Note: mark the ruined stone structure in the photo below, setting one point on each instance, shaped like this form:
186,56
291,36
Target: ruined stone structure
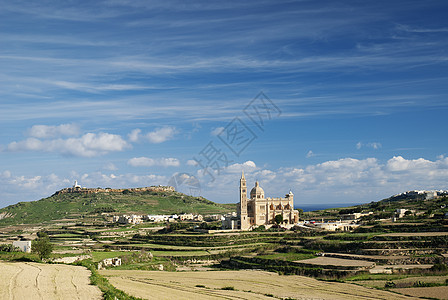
78,189
258,210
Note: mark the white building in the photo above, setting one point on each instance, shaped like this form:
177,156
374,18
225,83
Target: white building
336,226
126,219
24,246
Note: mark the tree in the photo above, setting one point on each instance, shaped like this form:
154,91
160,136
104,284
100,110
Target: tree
278,219
42,247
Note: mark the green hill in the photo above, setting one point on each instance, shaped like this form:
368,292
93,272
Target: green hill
85,206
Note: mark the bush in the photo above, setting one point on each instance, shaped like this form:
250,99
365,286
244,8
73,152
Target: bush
8,248
260,228
42,247
440,268
389,284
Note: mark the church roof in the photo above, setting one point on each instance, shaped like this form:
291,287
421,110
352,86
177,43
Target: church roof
257,189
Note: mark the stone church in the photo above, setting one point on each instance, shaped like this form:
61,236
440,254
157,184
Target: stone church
258,210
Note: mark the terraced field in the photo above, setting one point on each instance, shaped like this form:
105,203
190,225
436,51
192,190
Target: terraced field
24,280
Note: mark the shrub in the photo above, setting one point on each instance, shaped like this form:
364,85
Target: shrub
42,247
389,284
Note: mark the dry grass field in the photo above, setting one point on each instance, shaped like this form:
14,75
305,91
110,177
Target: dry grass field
24,280
438,292
331,261
404,281
415,234
247,284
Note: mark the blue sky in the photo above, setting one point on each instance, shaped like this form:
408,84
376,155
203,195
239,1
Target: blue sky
130,93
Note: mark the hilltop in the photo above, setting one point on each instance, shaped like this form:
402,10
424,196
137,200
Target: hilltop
89,204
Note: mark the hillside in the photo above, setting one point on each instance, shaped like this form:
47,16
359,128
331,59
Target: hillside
90,206
419,207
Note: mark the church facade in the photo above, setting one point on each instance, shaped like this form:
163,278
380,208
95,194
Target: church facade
258,210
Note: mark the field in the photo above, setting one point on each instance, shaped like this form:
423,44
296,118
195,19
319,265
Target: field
439,292
330,261
402,282
242,284
20,280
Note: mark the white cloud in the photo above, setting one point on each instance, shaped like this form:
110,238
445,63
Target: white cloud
217,131
344,180
134,136
161,135
110,166
45,131
247,166
88,145
398,163
6,174
310,154
192,162
149,162
373,145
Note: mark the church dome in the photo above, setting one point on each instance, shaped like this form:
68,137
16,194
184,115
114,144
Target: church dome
257,191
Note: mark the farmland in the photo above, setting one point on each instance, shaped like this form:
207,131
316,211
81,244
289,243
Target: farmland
379,259
20,280
235,284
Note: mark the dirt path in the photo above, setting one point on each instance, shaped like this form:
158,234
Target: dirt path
41,281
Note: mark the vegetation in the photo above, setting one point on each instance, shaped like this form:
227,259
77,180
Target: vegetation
419,238
89,207
42,247
109,291
278,219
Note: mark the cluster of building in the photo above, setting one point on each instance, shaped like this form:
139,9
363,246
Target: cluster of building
109,262
76,188
137,219
333,225
428,195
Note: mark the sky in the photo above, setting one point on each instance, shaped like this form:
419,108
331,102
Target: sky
338,101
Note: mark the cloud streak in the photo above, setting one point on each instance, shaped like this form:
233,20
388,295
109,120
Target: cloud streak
150,162
88,145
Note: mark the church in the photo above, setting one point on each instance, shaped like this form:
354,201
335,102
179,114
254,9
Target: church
258,210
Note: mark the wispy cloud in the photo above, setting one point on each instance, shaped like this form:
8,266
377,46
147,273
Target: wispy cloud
407,28
46,131
150,162
373,145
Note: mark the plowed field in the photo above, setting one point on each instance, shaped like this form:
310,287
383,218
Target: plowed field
242,284
24,280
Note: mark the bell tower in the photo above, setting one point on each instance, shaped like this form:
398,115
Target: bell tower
244,221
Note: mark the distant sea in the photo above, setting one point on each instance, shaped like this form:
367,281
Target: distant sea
319,206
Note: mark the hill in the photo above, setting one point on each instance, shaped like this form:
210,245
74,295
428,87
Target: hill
91,205
415,202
